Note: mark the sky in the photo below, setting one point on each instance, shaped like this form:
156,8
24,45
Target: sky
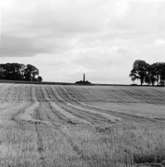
66,38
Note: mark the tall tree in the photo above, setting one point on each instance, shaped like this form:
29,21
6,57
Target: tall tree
155,73
139,71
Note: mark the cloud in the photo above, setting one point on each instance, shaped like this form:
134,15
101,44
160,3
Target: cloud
64,38
16,46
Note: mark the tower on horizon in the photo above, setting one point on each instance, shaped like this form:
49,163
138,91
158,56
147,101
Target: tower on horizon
84,77
83,81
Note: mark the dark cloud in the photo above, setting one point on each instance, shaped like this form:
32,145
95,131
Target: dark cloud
11,46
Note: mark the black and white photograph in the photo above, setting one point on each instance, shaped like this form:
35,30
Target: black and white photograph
82,83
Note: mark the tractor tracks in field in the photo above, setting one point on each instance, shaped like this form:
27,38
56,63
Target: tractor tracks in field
74,108
57,122
68,138
39,127
54,110
23,120
62,124
64,112
40,144
72,101
30,114
96,117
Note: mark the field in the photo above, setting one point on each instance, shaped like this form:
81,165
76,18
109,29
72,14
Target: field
81,126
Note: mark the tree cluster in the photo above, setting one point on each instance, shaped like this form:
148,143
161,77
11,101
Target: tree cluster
20,72
83,83
150,74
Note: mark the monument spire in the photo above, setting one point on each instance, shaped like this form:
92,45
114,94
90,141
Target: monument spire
84,77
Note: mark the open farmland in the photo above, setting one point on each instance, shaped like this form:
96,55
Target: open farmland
88,126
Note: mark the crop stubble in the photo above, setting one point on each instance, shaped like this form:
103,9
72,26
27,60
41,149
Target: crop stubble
46,125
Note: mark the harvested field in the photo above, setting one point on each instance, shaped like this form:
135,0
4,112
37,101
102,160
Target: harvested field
81,126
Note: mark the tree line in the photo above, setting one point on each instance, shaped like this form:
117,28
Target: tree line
150,74
21,72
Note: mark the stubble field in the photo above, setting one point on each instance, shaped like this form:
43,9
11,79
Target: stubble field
88,126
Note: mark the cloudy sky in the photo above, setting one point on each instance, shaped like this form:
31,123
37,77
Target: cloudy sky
65,38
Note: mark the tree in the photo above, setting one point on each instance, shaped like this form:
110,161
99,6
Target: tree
161,67
139,71
158,72
11,71
151,75
31,73
16,71
155,73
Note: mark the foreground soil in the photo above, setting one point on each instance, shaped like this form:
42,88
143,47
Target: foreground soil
88,126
